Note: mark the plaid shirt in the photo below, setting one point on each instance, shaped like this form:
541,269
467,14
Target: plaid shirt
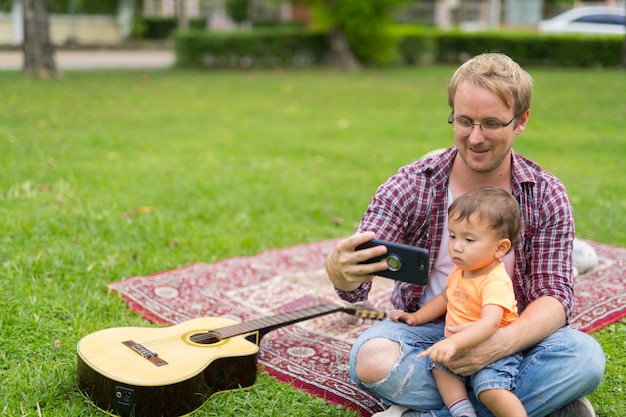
411,208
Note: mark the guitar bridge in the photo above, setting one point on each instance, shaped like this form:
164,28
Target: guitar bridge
149,354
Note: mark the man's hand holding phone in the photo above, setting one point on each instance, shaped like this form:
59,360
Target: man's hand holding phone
404,262
344,264
358,257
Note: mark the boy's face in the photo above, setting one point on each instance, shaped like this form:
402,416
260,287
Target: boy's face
473,246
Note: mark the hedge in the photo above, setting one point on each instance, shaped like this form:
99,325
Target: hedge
535,49
415,46
157,28
250,48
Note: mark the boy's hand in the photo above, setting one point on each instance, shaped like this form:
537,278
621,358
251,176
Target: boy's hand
440,352
404,317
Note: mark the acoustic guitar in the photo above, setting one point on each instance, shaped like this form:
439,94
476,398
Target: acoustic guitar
173,371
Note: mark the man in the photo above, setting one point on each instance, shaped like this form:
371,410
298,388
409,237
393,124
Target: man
490,100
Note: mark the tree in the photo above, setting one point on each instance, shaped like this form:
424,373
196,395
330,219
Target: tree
181,14
358,29
38,50
238,10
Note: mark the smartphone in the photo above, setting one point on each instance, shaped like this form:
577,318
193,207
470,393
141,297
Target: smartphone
405,263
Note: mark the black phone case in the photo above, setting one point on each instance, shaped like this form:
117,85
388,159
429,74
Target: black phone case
406,263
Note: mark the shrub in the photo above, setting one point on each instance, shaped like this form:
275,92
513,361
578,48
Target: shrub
272,47
254,48
164,27
416,45
533,48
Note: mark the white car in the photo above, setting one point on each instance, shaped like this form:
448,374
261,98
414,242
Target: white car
596,19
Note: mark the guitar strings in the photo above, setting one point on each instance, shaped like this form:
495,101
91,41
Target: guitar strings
244,328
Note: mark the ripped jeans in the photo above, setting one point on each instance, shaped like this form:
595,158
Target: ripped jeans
560,369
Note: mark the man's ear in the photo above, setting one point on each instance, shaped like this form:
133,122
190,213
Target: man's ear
504,245
521,122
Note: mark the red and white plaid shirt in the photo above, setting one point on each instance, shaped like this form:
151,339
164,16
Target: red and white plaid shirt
411,208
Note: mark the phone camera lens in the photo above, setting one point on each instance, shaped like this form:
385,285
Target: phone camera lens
394,263
423,262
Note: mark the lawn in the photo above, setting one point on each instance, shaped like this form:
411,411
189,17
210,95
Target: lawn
108,175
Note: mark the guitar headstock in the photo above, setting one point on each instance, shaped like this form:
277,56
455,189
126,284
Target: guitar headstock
365,312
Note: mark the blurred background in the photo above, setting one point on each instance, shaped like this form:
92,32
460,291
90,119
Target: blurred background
115,22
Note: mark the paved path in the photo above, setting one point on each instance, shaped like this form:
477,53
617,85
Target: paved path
97,59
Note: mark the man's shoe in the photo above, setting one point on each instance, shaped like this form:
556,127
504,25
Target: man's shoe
579,408
393,411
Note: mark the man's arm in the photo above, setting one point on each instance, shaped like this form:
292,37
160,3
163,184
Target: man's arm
539,319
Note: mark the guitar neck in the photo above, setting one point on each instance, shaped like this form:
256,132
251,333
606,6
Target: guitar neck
266,324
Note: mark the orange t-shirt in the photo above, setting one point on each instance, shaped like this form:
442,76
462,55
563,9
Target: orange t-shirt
466,297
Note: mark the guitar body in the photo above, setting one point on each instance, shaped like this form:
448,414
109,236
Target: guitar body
163,371
172,371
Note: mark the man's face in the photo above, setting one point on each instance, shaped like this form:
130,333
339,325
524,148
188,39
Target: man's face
484,150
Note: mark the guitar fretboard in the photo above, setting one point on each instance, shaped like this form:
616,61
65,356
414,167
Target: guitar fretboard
266,324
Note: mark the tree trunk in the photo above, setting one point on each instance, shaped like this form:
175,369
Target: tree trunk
181,14
38,50
341,55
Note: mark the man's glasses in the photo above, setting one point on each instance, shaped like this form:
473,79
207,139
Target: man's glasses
464,126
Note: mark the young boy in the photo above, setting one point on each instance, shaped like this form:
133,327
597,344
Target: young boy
483,224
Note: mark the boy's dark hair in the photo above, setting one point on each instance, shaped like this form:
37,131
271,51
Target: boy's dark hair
493,206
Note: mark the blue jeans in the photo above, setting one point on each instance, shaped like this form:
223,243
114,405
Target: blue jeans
562,368
499,375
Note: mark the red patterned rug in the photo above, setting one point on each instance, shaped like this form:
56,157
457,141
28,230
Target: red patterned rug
313,354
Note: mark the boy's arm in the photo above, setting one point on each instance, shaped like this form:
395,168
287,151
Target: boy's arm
474,334
481,330
432,310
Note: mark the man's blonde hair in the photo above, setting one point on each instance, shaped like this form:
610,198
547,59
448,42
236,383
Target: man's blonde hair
499,74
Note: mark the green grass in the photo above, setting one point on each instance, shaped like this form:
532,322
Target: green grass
108,175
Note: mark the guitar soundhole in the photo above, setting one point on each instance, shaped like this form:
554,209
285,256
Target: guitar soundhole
208,338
